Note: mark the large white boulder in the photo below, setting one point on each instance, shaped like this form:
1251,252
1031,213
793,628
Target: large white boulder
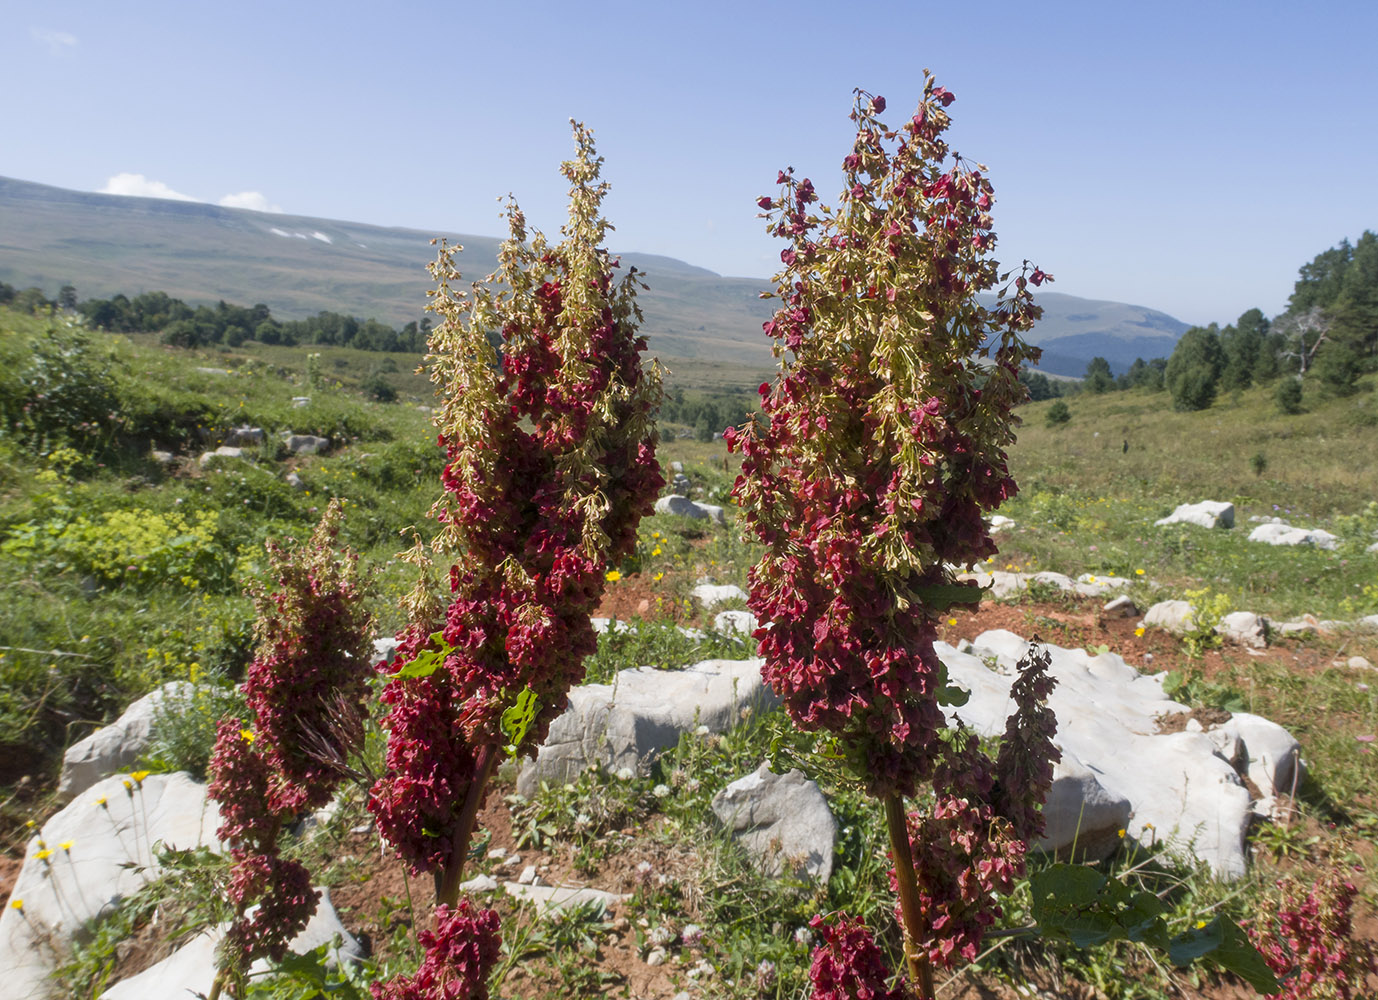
1179,787
117,747
1285,534
1080,817
782,820
642,713
1207,514
190,970
109,832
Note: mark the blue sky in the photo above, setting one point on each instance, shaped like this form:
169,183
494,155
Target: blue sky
1184,156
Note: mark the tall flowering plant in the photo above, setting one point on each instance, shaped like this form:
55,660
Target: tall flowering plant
305,693
551,448
882,446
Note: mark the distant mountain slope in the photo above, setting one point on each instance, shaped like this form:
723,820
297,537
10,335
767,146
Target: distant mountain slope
298,266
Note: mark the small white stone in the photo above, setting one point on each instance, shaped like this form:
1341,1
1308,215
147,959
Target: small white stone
528,875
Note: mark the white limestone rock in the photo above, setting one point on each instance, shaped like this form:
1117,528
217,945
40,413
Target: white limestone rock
1244,628
550,898
1120,607
710,595
224,451
111,831
1272,755
307,444
1206,514
117,746
1174,616
190,970
1285,534
244,436
1080,817
684,507
742,622
642,713
782,820
1177,785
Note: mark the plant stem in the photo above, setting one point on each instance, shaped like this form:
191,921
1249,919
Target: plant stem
447,891
920,971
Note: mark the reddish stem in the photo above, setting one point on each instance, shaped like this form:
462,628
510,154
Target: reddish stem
447,891
920,970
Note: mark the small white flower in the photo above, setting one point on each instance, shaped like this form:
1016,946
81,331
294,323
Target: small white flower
625,774
660,791
701,731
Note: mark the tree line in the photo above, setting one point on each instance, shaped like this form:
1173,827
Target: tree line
183,325
1327,336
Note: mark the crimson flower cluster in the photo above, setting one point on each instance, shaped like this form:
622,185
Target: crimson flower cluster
884,435
848,964
551,464
1306,936
305,689
460,956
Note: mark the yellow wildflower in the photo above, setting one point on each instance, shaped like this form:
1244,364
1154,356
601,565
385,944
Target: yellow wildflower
247,735
16,904
1200,924
44,854
656,551
1138,572
1139,631
612,576
952,621
139,776
66,845
101,802
1122,833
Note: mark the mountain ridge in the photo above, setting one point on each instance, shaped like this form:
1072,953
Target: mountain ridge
300,265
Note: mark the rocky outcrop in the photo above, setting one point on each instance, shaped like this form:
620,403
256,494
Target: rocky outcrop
116,747
86,858
642,713
782,820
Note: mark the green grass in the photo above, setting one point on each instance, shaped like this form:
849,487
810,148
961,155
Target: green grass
1087,505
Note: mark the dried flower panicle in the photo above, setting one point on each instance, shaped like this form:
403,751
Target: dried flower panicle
460,955
884,435
551,450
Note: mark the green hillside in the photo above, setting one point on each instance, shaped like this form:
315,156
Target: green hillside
298,266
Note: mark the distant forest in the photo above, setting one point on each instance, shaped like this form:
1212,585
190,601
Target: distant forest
183,325
1328,337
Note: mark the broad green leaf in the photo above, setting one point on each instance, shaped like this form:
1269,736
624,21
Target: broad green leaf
429,660
941,596
1225,943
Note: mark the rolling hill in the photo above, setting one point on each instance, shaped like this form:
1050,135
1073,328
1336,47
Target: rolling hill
298,265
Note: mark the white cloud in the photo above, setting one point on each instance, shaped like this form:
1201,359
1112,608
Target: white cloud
279,232
57,41
253,200
140,186
322,237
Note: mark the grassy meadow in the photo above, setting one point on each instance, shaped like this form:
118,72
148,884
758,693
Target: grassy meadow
119,572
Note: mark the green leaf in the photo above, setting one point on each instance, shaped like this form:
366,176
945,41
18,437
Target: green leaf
1230,948
517,719
941,596
429,660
